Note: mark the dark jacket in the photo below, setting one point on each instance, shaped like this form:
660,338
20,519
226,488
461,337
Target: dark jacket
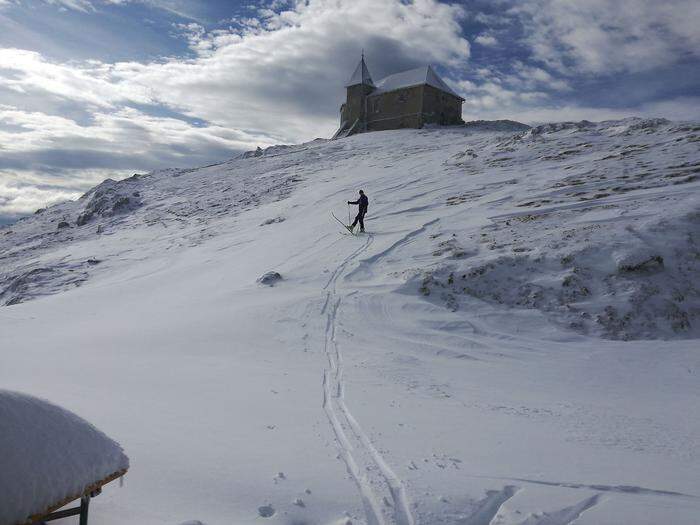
363,201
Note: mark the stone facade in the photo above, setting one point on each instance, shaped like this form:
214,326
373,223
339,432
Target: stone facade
406,100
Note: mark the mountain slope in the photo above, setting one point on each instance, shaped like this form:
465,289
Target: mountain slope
514,340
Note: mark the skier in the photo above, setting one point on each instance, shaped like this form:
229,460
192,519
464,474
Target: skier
362,202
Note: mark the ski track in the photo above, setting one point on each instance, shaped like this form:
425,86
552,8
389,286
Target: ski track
357,449
408,237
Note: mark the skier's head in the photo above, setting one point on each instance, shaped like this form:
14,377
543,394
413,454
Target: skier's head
362,192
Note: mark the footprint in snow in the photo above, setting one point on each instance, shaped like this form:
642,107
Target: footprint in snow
266,511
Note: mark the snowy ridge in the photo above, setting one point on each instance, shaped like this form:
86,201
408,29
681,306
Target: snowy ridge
514,341
175,206
572,234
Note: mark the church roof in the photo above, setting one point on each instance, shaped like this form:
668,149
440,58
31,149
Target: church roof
413,77
361,75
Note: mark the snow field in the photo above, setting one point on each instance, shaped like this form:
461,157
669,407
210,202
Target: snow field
383,386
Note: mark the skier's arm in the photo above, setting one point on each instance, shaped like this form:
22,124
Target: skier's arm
354,202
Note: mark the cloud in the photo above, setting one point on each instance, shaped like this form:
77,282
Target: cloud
532,77
486,40
79,5
537,108
90,83
18,199
608,36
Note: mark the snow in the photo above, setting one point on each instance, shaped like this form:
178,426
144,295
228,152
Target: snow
413,77
555,383
48,455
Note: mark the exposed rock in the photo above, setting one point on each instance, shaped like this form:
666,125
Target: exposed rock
651,264
266,511
270,278
272,221
108,199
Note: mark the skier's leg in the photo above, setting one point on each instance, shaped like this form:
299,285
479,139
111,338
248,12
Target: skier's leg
357,218
361,218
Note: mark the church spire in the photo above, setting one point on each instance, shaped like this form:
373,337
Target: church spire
361,74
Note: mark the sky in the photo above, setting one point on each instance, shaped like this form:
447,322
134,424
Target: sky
91,89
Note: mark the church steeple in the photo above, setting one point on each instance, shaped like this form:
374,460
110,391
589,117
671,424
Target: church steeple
361,74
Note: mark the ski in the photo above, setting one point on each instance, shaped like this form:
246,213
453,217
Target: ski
344,225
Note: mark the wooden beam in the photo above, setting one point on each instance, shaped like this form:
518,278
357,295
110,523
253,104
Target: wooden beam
90,489
59,514
84,506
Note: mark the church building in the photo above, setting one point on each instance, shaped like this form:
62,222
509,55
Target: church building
409,99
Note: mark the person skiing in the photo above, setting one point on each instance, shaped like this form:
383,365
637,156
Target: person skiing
362,202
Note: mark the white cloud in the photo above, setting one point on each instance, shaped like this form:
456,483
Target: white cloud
518,107
486,40
607,36
21,199
531,77
78,5
88,83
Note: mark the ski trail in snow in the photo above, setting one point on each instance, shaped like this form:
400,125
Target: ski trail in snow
408,237
331,375
337,410
334,276
369,501
398,492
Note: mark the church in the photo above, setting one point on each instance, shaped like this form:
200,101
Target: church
409,99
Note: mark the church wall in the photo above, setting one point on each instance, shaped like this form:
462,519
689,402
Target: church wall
440,107
354,105
395,109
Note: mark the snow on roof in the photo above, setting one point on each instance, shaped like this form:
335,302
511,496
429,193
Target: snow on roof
361,75
49,456
413,77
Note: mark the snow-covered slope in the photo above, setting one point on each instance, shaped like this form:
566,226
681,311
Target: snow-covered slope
513,342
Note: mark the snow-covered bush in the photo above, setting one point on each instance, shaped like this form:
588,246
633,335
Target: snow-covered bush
49,456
